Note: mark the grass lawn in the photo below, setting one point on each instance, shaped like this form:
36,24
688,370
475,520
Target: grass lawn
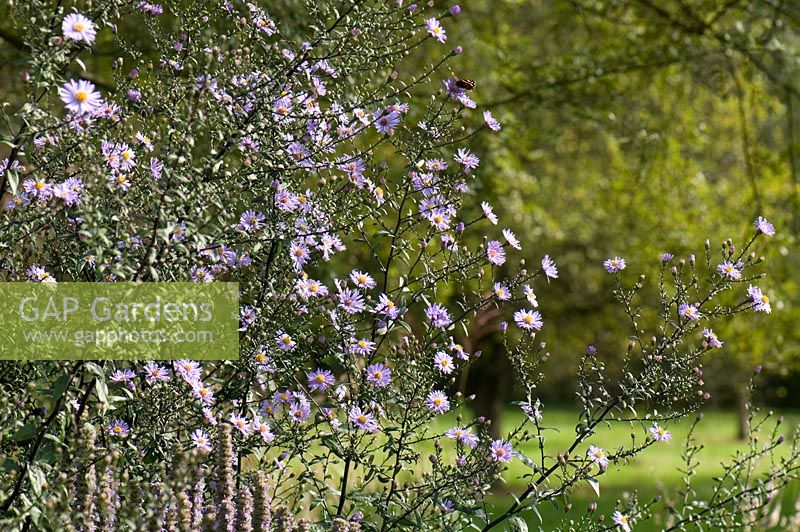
654,472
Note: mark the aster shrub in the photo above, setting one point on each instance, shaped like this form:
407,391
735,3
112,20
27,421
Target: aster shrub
302,152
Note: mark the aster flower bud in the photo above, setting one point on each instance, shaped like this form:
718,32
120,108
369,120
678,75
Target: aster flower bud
457,50
592,507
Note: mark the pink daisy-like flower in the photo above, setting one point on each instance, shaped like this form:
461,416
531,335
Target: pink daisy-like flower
511,239
764,227
711,339
501,292
240,424
729,270
617,264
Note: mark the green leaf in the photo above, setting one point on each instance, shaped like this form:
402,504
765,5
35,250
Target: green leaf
517,524
27,432
37,478
595,484
102,390
60,387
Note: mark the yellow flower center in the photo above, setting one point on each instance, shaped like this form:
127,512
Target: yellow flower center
81,96
764,299
362,419
320,378
79,27
39,185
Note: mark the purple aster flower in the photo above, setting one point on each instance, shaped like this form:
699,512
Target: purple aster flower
467,160
351,301
666,257
463,436
759,299
362,280
201,440
532,412
549,267
500,451
435,29
617,264
156,167
378,375
711,338
488,212
730,270
387,307
495,253
250,221
150,9
263,430
511,239
689,312
493,124
447,505
119,429
598,456
530,320
38,189
320,379
299,411
386,123
37,274
203,392
659,433
80,96
201,274
763,226
530,296
247,315
437,402
240,424
362,420
154,373
300,255
123,375
284,341
621,521
436,165
501,292
443,362
308,288
438,316
361,347
189,370
78,28
69,191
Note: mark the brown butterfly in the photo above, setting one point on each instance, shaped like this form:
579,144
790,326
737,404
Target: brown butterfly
466,84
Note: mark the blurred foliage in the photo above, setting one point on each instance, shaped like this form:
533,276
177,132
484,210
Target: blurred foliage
632,128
